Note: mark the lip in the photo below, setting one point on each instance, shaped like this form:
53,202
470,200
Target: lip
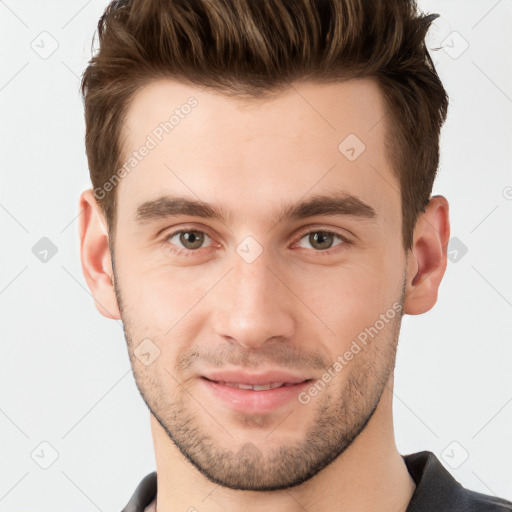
255,402
239,377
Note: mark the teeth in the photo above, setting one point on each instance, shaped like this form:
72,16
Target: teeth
256,387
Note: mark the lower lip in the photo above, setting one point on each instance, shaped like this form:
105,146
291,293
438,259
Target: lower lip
249,401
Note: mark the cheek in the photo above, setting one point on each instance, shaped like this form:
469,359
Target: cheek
351,297
158,299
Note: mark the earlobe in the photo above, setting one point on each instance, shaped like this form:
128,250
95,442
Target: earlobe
95,256
427,260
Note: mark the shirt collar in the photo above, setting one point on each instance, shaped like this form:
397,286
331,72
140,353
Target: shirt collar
436,489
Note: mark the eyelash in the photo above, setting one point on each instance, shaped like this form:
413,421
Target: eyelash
325,252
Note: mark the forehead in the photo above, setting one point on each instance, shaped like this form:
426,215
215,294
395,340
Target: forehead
253,156
339,107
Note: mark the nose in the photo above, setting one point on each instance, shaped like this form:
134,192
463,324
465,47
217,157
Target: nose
253,304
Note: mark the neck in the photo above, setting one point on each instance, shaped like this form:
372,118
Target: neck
369,475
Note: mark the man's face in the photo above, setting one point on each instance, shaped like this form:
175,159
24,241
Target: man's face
254,292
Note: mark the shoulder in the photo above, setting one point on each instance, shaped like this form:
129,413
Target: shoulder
437,489
476,501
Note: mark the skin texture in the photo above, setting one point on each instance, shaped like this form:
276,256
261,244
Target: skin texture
292,308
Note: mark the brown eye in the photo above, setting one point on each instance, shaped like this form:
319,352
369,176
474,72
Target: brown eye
322,240
188,239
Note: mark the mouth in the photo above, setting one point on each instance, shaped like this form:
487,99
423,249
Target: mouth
258,387
252,398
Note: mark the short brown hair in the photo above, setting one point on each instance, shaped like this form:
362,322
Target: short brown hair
252,48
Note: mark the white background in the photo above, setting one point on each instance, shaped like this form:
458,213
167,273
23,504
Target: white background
65,373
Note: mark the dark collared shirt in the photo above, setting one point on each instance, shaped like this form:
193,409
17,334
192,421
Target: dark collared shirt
436,490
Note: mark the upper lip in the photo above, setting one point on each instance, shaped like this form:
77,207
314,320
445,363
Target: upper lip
254,379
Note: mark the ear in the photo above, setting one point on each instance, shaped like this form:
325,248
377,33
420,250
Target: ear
427,259
95,255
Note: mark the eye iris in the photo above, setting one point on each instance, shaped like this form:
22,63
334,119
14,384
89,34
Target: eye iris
320,238
192,239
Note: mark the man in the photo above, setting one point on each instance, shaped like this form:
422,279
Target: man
260,219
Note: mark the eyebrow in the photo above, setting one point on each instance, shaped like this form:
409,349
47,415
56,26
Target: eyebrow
342,204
